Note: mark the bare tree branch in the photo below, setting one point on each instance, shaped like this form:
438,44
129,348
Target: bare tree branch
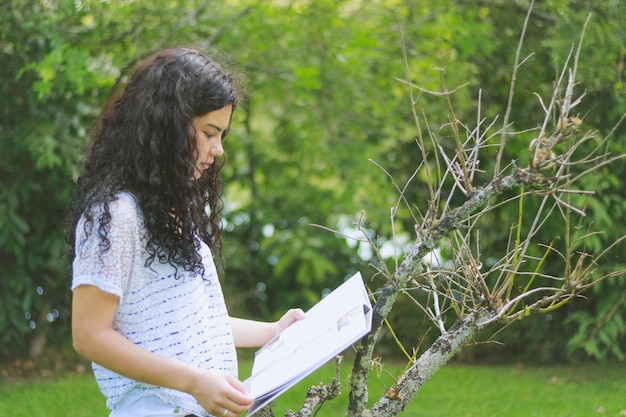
516,284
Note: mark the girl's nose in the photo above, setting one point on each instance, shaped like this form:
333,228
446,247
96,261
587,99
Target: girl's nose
217,149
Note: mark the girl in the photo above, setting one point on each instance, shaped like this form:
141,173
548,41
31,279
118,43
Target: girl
147,305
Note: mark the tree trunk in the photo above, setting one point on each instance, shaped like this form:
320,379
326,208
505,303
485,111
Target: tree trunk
423,369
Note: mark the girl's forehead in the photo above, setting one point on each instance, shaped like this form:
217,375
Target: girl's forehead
217,119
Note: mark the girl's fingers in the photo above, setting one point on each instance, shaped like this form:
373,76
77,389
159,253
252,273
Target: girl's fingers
290,317
237,402
238,385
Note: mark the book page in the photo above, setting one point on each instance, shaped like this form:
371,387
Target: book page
337,321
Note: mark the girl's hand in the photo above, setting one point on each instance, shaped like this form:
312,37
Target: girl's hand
217,392
250,333
289,318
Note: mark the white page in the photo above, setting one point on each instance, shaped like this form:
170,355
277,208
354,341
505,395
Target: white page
337,321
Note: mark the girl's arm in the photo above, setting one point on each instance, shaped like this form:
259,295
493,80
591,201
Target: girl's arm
250,333
93,311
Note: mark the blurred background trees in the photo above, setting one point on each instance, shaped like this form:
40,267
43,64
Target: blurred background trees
326,96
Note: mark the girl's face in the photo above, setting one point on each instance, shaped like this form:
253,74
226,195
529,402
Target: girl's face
210,129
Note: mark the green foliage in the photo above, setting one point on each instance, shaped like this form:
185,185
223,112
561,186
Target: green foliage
61,61
325,97
37,143
601,324
554,29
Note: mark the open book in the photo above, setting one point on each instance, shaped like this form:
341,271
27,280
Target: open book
340,319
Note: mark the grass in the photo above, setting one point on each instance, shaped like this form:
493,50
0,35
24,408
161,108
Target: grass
460,391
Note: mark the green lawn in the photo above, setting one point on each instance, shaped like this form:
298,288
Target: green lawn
459,391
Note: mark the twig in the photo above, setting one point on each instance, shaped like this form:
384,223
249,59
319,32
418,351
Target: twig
509,105
317,395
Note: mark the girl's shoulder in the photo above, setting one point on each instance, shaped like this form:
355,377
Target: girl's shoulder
125,204
125,200
125,211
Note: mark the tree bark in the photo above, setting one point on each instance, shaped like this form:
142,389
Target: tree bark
425,367
410,268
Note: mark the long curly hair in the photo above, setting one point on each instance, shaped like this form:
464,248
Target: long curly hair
144,143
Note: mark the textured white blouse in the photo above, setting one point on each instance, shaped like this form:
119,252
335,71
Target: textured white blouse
184,318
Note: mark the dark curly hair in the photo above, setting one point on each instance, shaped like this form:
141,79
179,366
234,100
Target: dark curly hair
144,143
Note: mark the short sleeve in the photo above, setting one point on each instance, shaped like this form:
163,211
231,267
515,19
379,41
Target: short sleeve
110,268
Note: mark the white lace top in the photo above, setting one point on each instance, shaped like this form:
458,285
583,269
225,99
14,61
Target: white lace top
184,318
